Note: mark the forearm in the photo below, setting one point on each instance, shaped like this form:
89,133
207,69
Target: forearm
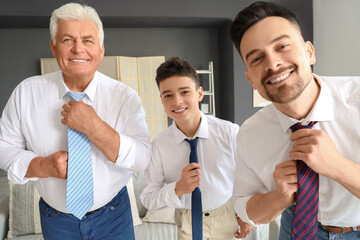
348,175
105,138
264,208
36,168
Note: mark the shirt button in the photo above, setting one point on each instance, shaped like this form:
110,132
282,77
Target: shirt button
323,195
207,214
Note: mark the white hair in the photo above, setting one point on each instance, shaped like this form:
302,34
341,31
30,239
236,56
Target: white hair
75,11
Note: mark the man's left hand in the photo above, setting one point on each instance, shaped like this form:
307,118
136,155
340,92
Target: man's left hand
317,150
245,228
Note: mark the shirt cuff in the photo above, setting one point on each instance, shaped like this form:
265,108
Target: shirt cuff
240,209
125,151
17,171
171,199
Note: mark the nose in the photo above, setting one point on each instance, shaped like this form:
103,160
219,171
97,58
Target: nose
273,62
78,46
177,100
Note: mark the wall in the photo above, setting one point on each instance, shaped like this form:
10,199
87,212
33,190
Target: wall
337,37
195,30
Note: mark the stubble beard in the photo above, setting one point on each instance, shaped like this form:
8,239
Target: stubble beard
286,94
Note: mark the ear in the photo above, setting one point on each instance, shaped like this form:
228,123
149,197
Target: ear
102,52
248,77
52,47
201,94
310,52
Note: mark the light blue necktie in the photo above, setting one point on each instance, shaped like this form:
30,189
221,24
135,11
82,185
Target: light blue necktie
196,205
79,190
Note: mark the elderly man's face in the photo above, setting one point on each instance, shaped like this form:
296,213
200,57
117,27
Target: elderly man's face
77,50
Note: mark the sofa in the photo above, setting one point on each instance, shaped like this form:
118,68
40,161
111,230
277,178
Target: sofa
19,218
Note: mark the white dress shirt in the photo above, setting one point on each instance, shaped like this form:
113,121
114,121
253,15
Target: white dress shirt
170,154
31,127
263,142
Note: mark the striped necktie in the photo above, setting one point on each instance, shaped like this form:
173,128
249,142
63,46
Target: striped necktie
79,189
305,221
196,206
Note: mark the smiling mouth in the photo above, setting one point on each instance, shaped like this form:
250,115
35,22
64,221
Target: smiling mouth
179,110
280,78
79,60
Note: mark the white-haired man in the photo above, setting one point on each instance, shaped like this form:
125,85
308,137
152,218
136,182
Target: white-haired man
105,115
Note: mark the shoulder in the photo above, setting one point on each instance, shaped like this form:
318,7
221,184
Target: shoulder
221,123
163,138
116,88
39,82
343,86
262,119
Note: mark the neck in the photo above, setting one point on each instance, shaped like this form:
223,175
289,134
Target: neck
189,127
77,84
301,107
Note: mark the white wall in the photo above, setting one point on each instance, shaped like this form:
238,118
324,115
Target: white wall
337,37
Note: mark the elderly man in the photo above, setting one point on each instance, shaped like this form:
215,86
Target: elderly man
77,134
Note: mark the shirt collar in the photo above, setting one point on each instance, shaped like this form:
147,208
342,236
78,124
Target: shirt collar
202,132
90,89
323,109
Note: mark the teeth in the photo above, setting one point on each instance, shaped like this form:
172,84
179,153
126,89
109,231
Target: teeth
278,79
78,60
180,110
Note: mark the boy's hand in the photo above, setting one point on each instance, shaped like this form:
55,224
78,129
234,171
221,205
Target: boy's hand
245,228
190,179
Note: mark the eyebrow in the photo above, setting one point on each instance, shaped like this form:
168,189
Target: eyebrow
82,37
271,42
181,88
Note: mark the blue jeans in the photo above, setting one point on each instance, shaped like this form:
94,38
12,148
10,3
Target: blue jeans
111,222
322,234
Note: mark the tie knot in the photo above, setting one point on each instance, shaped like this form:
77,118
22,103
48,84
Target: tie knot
193,142
76,96
298,126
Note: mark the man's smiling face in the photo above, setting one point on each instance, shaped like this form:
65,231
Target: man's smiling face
277,59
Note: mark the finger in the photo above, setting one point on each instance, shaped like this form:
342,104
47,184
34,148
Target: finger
306,132
192,166
63,113
285,164
66,106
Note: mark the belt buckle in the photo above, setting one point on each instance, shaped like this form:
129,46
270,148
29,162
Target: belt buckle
342,230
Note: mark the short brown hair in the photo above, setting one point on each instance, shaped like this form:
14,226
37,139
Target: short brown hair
175,66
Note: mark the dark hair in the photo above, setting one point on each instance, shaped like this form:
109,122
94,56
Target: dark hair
175,66
255,13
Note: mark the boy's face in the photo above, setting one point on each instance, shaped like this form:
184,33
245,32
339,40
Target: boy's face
277,59
180,98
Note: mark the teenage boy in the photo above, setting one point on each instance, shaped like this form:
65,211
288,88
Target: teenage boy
170,179
269,177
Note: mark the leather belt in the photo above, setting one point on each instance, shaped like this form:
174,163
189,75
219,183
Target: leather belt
339,230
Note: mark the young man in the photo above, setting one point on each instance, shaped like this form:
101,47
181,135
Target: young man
45,124
170,179
278,64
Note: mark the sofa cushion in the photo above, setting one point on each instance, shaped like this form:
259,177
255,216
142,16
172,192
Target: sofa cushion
23,210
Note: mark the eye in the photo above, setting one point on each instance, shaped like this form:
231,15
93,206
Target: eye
88,41
67,40
256,60
185,92
283,46
167,96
